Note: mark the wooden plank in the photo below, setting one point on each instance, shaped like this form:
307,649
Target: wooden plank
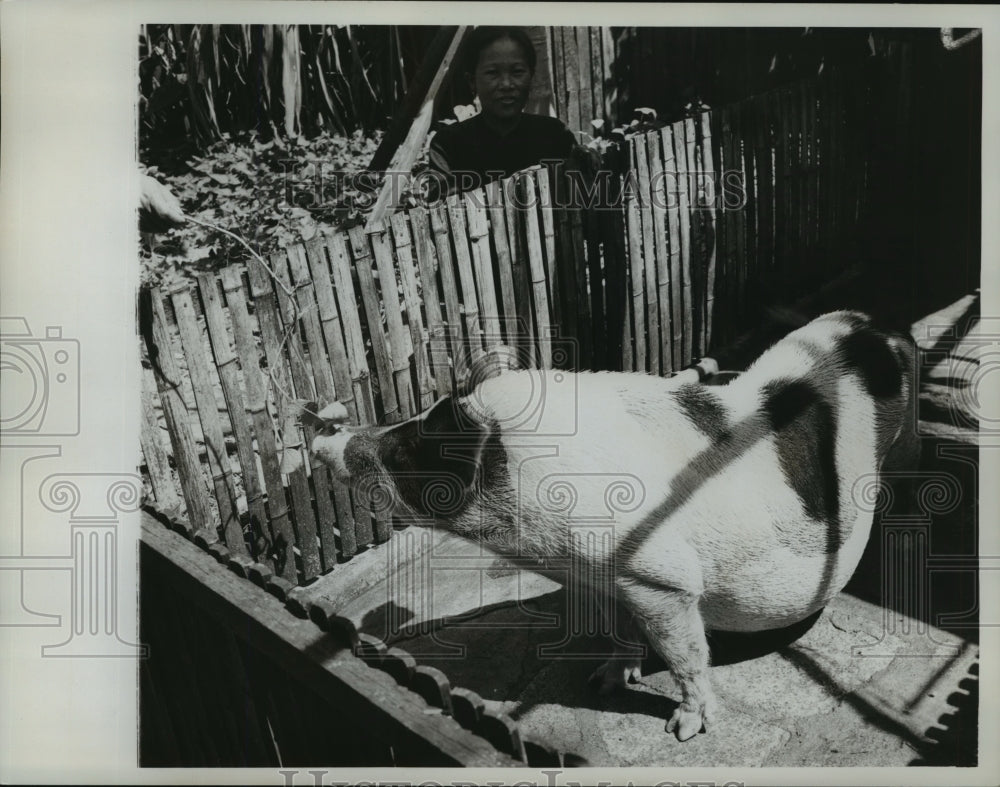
340,267
707,210
662,241
482,265
640,161
278,521
684,215
463,264
516,238
608,61
366,281
272,337
157,464
546,203
225,364
204,396
620,237
636,272
449,289
411,299
299,647
536,263
340,514
279,317
671,182
565,294
399,338
505,273
437,330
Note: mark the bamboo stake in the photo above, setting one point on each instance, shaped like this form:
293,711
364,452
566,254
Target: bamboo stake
684,211
541,177
641,359
366,281
463,260
671,185
157,464
411,298
649,262
424,249
280,524
308,309
708,212
399,339
499,234
537,268
516,236
225,364
449,288
340,267
204,395
478,233
658,205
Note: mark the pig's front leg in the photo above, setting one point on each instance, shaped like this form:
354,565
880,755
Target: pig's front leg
672,623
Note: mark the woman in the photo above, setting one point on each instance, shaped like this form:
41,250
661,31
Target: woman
502,138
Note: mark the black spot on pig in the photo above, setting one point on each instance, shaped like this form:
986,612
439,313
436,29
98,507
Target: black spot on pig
435,460
871,357
805,435
703,409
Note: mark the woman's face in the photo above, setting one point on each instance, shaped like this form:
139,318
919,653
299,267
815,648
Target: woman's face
502,79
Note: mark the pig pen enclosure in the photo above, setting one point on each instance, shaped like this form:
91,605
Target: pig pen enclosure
294,623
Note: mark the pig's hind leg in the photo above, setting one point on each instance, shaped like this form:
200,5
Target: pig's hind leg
674,628
625,664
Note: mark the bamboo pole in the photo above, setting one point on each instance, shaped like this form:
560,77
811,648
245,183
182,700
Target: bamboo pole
278,521
671,184
649,261
449,289
482,262
516,236
225,364
157,463
536,263
399,338
463,264
499,235
545,201
321,372
684,212
707,210
424,250
411,298
662,241
362,256
212,430
635,251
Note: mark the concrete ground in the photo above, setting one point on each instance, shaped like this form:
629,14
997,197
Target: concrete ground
886,675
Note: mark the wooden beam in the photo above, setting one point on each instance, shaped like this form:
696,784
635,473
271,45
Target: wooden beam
404,158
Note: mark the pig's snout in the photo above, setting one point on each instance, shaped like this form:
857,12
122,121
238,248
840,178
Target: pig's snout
329,447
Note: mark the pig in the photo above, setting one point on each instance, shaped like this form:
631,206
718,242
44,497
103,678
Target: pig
745,516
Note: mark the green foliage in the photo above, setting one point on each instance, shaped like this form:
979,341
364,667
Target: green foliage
268,193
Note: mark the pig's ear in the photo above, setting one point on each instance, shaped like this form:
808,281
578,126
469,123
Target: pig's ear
443,443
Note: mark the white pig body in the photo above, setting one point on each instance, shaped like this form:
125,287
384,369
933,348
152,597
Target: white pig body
734,507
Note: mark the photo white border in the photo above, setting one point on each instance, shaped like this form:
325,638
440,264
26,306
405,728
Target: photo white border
68,190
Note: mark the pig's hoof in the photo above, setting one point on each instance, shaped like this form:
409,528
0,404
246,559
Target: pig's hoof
614,674
686,723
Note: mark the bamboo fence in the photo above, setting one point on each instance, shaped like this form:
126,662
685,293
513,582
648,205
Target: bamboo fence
698,222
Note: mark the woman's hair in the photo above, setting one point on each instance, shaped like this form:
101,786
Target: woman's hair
482,37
